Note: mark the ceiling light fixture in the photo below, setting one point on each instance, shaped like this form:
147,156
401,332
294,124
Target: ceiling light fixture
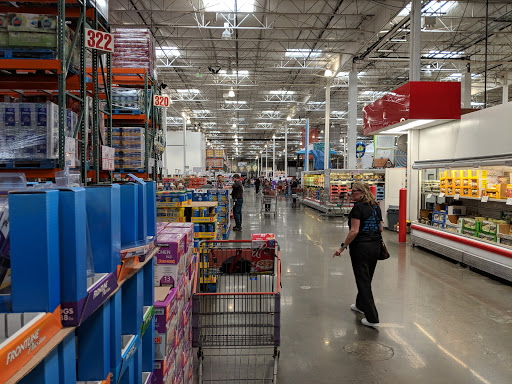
328,73
288,118
188,121
234,125
231,93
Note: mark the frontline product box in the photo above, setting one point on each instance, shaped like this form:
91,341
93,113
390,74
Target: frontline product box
262,252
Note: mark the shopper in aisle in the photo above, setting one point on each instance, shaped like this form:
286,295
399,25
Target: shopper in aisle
257,184
238,199
220,182
280,186
267,190
294,185
365,240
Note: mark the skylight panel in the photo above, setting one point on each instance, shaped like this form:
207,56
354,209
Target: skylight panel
282,92
190,91
444,54
302,53
167,52
229,5
224,72
431,8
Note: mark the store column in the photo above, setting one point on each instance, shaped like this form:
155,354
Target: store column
184,144
327,149
273,156
306,145
505,88
352,118
286,150
466,88
415,45
164,154
413,136
266,161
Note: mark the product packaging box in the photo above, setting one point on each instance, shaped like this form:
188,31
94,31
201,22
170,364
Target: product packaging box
187,232
35,250
262,252
104,225
172,247
455,210
165,321
167,274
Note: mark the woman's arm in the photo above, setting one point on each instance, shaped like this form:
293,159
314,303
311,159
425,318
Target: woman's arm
354,230
381,227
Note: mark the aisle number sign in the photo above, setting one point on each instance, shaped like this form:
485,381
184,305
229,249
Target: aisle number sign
102,41
161,101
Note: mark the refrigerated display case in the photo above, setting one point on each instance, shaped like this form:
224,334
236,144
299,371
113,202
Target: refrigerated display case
327,191
466,215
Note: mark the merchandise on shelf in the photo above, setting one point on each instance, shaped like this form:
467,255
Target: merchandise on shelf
34,35
128,100
134,48
129,143
30,131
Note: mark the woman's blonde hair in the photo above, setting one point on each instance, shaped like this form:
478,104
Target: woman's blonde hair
368,197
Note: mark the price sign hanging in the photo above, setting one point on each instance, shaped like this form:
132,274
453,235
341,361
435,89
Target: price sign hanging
102,41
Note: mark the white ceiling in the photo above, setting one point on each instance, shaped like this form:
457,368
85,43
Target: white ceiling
269,84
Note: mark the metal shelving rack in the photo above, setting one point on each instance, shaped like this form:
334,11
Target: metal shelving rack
150,119
57,78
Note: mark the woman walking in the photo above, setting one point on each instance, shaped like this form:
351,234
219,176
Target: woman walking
365,240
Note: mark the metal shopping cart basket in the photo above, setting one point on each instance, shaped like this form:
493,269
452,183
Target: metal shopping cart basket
269,203
236,312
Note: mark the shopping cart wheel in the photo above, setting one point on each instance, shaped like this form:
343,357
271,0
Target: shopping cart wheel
200,354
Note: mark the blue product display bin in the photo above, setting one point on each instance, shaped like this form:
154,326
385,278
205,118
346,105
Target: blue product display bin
104,225
35,261
129,215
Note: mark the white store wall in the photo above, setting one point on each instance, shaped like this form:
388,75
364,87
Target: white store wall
487,132
196,151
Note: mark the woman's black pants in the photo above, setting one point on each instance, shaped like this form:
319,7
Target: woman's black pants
364,259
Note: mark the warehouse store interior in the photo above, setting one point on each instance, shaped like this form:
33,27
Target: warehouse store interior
255,191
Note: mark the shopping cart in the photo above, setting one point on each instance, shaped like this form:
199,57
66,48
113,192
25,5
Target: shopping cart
296,192
269,202
236,312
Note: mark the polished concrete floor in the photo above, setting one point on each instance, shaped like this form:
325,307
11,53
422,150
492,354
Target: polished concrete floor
440,322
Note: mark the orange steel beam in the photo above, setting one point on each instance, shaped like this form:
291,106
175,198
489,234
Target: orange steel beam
70,12
30,64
